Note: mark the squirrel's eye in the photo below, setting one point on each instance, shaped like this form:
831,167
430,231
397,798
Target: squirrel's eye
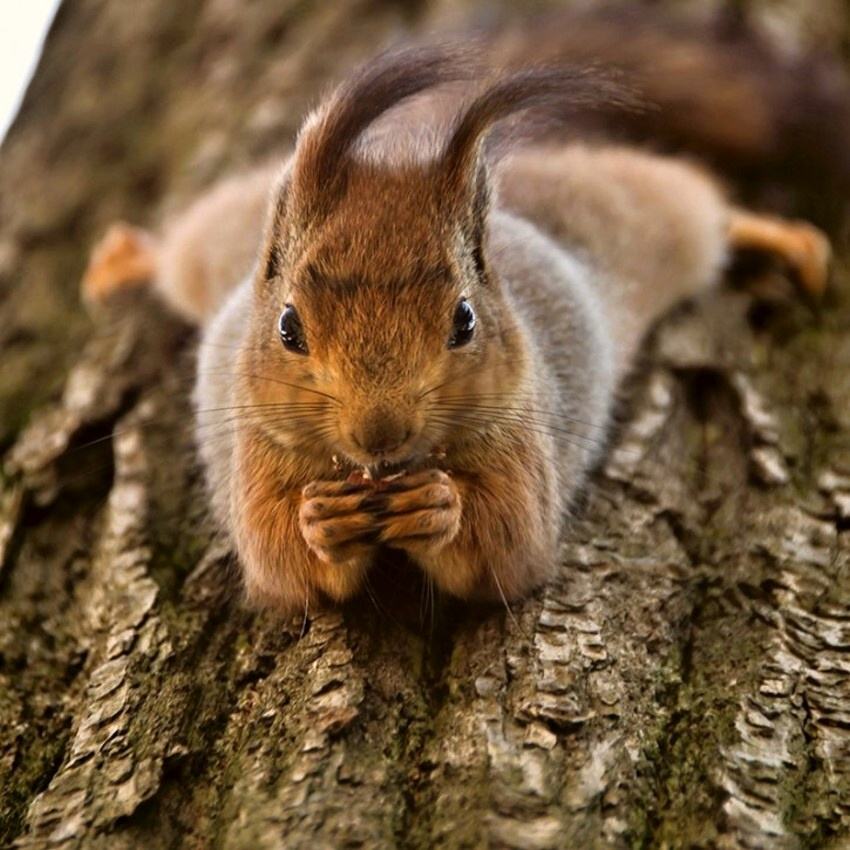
463,324
291,331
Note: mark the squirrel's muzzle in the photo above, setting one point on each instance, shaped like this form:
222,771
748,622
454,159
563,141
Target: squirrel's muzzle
380,432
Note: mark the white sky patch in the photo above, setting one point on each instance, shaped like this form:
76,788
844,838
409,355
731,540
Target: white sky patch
23,26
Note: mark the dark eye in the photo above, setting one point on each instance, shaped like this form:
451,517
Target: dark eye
463,324
292,331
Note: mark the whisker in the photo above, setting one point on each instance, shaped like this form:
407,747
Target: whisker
566,438
508,608
475,369
328,396
281,404
536,426
370,593
262,415
528,425
306,617
150,425
227,429
520,411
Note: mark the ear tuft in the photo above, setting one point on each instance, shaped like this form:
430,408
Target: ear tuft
556,92
323,151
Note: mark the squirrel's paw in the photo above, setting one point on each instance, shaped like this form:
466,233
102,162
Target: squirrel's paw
798,244
124,257
336,522
419,513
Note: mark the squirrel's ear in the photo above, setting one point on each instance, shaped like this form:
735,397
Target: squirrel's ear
466,191
473,222
277,233
273,261
556,92
323,156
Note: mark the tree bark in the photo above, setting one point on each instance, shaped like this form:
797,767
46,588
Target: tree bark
683,682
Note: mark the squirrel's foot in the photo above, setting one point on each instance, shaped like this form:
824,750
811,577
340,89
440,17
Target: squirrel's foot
124,257
419,513
798,244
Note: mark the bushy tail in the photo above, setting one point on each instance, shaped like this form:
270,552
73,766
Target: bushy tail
719,90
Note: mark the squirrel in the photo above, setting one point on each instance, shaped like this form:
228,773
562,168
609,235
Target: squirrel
417,343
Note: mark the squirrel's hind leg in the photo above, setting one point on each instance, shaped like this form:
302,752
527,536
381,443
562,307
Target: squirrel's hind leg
803,248
201,255
125,257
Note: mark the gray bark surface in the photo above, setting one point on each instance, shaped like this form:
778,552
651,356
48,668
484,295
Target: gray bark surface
685,680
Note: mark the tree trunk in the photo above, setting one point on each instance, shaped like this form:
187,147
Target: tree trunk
683,682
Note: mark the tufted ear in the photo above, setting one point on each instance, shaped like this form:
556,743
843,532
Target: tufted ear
555,92
318,172
323,152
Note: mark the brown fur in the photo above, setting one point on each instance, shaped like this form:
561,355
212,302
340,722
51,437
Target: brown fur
567,253
395,242
323,164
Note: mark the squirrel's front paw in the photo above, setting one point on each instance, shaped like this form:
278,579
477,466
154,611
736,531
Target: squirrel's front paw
334,521
419,513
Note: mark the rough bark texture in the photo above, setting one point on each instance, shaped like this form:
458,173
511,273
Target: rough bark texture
684,682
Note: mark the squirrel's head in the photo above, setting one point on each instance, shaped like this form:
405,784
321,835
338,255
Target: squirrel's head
380,331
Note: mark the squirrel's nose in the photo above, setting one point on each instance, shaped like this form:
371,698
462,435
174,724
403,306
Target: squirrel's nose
380,434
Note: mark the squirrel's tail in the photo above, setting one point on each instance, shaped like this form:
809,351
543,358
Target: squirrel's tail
718,89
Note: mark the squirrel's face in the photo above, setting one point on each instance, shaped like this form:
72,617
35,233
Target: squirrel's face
381,339
375,370
378,351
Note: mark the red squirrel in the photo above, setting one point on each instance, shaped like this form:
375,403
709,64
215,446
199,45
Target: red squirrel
417,343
